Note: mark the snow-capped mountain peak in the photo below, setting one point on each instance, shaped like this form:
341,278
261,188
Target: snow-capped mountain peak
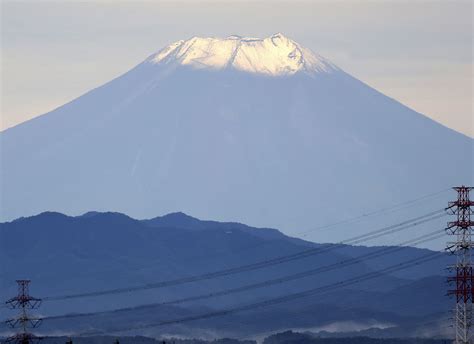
275,55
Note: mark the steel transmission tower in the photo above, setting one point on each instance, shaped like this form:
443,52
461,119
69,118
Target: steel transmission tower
462,278
24,302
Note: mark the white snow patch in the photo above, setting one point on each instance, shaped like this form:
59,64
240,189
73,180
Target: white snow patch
275,56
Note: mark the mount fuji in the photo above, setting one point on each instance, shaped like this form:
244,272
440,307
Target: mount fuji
261,131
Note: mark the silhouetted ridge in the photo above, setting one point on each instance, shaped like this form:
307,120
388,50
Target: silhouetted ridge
66,255
178,219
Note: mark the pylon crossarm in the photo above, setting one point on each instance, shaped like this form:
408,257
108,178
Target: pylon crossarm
12,322
35,322
24,302
457,246
22,338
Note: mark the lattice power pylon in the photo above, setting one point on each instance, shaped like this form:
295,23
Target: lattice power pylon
24,302
463,278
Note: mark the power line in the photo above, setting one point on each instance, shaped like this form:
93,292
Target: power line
394,207
347,262
371,275
390,209
263,264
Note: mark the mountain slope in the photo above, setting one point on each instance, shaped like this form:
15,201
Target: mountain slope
269,149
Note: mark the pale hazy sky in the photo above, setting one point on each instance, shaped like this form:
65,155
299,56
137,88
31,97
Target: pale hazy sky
418,52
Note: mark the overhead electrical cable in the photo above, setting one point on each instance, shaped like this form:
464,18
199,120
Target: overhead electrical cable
389,209
278,300
263,264
337,265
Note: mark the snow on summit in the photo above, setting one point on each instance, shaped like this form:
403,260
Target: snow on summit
275,56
